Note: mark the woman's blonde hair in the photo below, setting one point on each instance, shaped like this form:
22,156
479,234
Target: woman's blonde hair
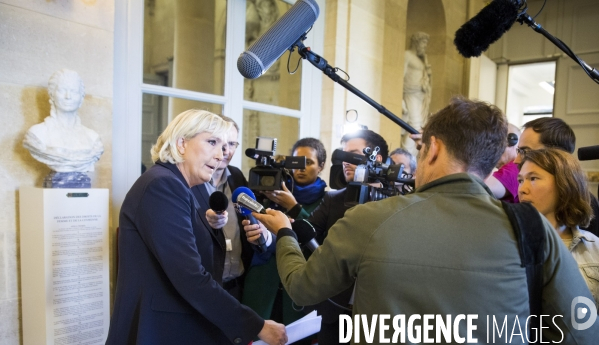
573,207
187,125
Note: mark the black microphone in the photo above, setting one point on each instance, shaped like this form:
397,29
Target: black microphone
241,209
349,157
305,234
477,34
588,153
218,202
280,37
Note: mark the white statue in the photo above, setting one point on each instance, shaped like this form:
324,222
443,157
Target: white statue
61,141
416,87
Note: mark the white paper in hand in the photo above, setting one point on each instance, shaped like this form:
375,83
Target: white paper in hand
304,327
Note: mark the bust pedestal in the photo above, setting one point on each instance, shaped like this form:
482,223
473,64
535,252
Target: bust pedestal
67,180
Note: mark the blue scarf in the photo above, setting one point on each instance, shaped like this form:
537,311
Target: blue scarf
306,195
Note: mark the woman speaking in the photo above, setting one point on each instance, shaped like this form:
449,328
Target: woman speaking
170,258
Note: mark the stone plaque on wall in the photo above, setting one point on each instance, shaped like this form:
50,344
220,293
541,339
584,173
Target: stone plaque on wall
64,265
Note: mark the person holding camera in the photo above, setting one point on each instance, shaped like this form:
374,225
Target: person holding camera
264,292
554,183
448,249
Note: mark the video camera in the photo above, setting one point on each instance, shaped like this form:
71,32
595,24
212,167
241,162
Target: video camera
268,172
391,177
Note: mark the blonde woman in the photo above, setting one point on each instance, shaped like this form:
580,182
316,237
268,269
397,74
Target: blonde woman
170,258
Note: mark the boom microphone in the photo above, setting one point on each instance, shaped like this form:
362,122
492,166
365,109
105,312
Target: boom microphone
477,34
245,193
588,153
280,37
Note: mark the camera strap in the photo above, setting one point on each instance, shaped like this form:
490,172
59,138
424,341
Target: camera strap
530,234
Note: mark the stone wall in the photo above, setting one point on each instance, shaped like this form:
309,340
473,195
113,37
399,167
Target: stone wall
36,39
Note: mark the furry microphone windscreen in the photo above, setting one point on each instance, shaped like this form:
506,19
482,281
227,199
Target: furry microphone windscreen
476,35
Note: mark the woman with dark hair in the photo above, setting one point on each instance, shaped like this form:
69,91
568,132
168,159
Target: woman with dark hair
554,183
263,289
307,189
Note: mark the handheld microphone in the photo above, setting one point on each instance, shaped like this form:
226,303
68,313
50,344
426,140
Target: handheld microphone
477,34
588,153
280,37
348,157
218,202
305,234
241,209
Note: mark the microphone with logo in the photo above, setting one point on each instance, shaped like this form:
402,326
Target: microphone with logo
246,203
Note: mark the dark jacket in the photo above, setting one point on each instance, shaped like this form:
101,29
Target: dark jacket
170,267
235,180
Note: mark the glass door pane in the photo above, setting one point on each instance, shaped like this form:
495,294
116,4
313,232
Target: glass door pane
184,43
157,112
276,86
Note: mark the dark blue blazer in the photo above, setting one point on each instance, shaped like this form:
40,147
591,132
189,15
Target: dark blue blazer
170,267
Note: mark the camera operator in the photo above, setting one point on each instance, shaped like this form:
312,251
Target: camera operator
239,251
331,209
264,292
447,249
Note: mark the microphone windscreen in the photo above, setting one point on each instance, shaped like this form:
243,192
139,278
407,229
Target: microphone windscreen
588,153
235,195
477,34
349,157
275,41
218,201
304,231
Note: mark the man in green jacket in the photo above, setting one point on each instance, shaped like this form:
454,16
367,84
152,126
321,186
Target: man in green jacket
442,264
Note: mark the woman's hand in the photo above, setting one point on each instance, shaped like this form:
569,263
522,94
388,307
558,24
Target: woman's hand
273,333
283,197
217,221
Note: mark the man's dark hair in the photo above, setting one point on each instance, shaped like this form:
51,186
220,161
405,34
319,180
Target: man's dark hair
553,133
473,132
372,140
321,153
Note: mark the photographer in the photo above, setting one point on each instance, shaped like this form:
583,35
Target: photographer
331,209
447,249
264,292
307,186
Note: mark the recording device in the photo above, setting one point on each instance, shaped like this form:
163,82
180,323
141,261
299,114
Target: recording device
281,37
247,212
588,153
268,172
305,234
218,202
391,177
495,19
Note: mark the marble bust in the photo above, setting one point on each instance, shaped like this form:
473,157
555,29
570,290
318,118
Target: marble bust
416,87
61,141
